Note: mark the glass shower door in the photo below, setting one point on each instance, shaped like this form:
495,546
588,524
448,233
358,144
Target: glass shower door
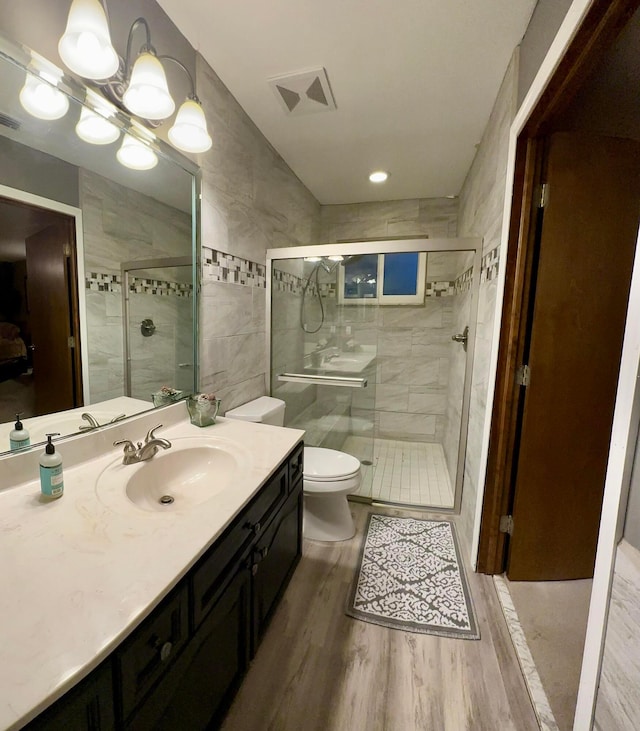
159,342
323,358
400,316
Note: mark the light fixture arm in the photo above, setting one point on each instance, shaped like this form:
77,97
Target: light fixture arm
193,94
146,47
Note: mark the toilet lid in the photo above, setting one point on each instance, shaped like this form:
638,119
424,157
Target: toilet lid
326,464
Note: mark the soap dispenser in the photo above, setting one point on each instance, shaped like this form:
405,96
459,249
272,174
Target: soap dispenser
51,480
19,436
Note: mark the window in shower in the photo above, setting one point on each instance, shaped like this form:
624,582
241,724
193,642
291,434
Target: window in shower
384,279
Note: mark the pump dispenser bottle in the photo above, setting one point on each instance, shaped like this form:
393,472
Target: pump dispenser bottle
19,436
51,480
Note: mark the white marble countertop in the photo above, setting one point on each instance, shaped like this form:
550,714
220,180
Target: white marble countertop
80,573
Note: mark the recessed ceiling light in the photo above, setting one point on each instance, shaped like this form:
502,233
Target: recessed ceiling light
379,176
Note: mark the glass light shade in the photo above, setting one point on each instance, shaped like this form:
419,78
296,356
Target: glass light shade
86,46
189,131
95,128
313,258
147,95
335,257
42,100
379,176
136,155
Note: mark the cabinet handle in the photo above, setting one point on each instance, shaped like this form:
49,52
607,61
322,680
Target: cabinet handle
253,527
165,651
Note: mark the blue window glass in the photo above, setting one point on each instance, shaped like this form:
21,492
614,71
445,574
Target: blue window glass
400,273
361,276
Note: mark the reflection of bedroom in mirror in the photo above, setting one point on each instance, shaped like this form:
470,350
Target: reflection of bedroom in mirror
39,326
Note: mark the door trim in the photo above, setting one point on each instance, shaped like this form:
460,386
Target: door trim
586,33
38,201
573,30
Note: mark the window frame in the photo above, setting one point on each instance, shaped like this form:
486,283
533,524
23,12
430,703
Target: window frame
388,299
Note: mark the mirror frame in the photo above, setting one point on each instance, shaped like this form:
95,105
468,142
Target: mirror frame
20,56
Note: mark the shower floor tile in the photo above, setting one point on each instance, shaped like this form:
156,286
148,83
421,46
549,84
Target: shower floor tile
411,473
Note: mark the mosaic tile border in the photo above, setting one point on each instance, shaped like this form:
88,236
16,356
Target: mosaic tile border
464,281
220,267
160,287
439,289
489,265
96,282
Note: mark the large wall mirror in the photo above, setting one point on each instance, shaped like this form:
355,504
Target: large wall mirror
98,270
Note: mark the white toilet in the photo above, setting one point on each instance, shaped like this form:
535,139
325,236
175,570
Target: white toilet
328,476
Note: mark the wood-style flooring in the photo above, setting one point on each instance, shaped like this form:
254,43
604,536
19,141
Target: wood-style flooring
319,670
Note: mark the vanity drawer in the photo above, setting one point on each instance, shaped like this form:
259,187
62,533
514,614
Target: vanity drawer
296,465
144,658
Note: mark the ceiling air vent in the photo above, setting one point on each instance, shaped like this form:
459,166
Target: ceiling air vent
7,121
305,92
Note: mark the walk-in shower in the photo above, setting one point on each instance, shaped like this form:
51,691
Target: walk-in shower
366,346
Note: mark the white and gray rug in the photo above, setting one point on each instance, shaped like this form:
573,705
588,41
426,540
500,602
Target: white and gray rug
411,577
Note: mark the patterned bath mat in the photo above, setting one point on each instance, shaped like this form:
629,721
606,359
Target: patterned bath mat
411,578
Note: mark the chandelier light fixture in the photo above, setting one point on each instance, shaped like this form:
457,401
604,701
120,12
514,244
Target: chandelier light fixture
140,85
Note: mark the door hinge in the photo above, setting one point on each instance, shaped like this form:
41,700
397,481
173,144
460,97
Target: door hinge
542,193
72,342
523,375
506,524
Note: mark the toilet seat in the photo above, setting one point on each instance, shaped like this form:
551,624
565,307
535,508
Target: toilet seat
329,465
346,486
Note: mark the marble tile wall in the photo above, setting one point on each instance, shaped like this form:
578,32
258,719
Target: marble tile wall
122,225
251,201
480,214
429,217
618,699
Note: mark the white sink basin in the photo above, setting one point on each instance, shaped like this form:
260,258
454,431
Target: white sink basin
192,471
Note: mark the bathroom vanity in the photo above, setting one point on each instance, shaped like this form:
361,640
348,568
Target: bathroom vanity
141,618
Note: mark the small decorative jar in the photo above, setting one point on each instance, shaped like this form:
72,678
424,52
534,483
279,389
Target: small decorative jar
203,408
166,395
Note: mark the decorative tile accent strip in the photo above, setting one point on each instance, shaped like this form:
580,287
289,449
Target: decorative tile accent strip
489,266
292,284
439,289
103,282
220,267
160,287
463,282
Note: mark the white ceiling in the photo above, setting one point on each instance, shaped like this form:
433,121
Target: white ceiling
414,83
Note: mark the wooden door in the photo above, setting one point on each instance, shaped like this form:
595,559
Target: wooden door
52,302
586,249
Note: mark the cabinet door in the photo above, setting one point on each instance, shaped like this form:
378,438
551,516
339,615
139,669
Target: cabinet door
275,557
198,689
88,707
152,649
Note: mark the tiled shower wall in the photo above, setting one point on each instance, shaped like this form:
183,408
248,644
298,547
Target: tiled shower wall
251,201
481,212
122,225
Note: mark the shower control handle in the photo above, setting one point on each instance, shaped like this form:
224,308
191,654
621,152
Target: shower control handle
462,337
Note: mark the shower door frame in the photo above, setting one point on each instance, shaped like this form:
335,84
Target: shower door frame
398,246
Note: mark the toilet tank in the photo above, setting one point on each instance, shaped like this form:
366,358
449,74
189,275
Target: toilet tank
263,410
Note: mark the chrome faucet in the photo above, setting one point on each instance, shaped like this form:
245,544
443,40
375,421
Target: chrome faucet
143,451
93,422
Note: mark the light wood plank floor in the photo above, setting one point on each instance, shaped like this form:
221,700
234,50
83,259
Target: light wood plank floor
319,670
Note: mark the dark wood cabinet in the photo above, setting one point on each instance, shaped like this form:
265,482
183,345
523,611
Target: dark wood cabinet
87,707
183,665
274,557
